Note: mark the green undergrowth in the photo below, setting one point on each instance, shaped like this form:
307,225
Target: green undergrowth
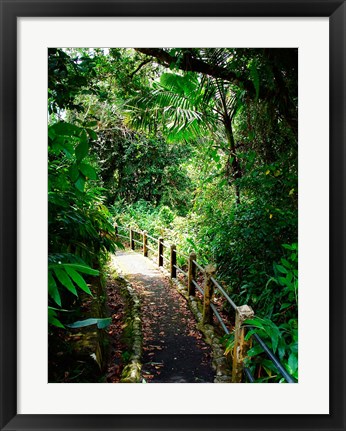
79,353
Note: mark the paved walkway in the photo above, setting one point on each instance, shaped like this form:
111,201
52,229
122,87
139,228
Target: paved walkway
173,349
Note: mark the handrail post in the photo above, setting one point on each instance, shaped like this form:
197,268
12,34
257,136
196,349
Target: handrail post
173,261
132,243
208,294
191,274
240,345
145,243
160,260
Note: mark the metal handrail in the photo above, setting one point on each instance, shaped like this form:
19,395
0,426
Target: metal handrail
164,258
198,286
219,318
249,375
220,288
198,266
152,238
180,270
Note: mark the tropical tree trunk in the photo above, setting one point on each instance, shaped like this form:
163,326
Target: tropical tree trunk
233,169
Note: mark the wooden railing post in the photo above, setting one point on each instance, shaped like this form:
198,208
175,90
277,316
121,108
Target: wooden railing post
208,294
173,261
191,275
240,345
145,243
160,260
132,243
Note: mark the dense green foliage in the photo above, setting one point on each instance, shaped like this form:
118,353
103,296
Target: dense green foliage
80,228
196,145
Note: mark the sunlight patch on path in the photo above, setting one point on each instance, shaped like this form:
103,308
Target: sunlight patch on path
130,262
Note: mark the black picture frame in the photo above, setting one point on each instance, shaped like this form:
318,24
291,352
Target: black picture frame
12,9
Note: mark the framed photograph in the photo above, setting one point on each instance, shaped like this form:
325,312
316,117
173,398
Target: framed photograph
313,29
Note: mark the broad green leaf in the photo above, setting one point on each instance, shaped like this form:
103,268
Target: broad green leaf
281,349
289,278
92,134
65,280
81,268
51,133
55,322
83,136
80,183
282,280
57,147
254,322
250,333
101,323
255,350
294,347
293,362
78,279
52,318
285,305
57,200
274,335
53,289
285,263
74,173
88,171
281,268
92,123
65,129
68,150
81,150
269,366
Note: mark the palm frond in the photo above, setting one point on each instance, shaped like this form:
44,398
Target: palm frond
174,103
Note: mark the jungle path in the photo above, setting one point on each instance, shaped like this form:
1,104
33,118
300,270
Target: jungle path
173,349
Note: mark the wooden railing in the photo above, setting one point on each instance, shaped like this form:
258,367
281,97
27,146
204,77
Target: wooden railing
207,288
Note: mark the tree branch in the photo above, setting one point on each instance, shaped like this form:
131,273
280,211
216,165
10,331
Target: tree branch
188,63
140,67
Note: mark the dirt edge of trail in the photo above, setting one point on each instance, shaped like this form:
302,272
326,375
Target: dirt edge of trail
129,334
